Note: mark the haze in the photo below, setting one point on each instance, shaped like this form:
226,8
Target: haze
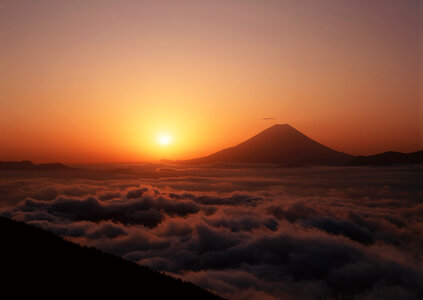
100,81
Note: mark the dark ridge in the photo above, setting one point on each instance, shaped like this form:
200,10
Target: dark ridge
26,165
280,144
37,263
387,159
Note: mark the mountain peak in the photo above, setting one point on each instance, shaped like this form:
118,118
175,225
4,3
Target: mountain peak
280,144
286,125
279,127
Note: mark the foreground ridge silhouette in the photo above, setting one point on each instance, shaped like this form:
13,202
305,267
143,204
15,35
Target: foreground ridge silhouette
35,262
281,144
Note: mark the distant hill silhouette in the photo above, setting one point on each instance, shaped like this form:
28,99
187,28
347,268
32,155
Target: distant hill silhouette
39,264
29,165
387,159
280,144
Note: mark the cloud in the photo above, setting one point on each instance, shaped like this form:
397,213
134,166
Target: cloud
249,233
343,227
139,207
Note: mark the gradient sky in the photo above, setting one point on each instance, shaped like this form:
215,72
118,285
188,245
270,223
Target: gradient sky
98,81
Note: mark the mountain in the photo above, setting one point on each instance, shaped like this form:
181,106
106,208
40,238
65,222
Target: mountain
36,263
387,159
29,165
280,144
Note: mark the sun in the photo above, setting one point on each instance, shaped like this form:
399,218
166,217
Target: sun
164,139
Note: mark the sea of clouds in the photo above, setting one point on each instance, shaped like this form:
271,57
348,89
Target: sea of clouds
247,233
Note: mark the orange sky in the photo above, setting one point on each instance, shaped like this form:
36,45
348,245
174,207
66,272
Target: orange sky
98,81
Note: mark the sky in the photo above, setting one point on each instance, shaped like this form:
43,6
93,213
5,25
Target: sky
106,81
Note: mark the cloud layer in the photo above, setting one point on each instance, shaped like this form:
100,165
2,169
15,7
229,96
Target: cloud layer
251,233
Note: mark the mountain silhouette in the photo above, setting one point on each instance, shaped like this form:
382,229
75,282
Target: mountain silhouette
27,165
280,144
36,263
388,158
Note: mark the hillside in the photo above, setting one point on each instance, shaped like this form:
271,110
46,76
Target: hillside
388,158
38,263
281,144
26,165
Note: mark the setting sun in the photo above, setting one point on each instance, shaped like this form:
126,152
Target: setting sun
164,139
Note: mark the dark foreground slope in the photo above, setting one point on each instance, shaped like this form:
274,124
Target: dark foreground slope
279,144
38,263
387,159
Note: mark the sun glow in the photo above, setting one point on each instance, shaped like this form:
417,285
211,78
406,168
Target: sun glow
164,139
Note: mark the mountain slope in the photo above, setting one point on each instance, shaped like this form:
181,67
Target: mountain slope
280,144
388,158
26,165
35,262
